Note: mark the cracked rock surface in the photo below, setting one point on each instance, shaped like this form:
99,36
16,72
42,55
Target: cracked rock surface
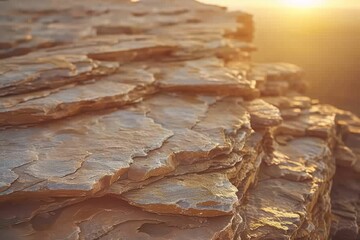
157,125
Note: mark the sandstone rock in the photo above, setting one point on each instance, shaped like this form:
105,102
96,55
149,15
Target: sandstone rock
205,195
119,90
289,187
345,193
310,120
157,125
263,114
212,124
109,218
345,156
205,76
241,170
82,153
40,72
345,198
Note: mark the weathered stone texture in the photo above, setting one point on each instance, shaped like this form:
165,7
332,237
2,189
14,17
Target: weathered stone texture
148,120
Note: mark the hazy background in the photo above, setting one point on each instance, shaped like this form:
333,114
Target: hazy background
323,39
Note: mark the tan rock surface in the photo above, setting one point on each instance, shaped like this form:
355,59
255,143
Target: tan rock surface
209,75
204,195
214,125
263,114
40,71
345,193
81,154
118,90
144,120
110,218
289,186
345,198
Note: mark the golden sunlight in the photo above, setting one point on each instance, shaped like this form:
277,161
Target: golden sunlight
303,3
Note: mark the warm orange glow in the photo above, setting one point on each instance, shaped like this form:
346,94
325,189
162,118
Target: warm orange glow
295,4
304,3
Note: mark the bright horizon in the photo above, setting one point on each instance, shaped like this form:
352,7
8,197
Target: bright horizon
301,4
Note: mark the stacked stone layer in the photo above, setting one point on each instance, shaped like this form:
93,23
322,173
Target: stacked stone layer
148,120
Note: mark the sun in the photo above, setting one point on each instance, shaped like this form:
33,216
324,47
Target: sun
303,3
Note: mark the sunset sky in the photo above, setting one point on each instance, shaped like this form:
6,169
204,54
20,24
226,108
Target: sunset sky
321,36
287,3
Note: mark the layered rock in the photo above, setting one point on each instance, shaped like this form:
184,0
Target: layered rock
294,180
345,193
157,125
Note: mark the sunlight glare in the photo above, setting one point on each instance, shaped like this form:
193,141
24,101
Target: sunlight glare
303,3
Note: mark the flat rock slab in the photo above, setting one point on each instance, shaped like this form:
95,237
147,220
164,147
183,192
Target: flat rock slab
205,195
203,129
207,75
263,114
71,95
52,25
117,90
82,154
41,71
239,169
110,218
92,31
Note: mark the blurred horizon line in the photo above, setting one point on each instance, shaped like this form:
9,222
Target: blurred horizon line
238,5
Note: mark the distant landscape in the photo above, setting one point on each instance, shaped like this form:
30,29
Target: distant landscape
325,42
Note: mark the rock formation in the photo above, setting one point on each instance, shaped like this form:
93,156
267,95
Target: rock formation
148,120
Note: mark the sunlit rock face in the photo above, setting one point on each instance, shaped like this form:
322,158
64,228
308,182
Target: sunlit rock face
148,120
